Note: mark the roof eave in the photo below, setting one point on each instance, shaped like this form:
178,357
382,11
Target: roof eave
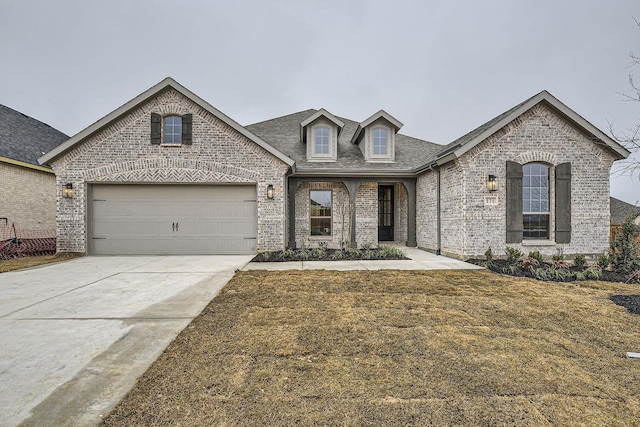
339,172
25,164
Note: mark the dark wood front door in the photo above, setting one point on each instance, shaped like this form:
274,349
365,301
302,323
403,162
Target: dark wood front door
385,212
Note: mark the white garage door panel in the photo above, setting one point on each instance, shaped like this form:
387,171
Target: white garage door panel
173,219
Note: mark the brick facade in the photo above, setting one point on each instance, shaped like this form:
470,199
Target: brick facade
472,220
366,215
122,152
28,198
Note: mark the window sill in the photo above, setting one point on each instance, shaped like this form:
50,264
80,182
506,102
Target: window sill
538,243
171,145
321,160
323,237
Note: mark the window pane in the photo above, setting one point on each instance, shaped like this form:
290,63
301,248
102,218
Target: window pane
173,130
535,188
320,212
535,226
322,140
380,141
320,226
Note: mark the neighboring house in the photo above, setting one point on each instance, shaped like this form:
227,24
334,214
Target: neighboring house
28,189
620,211
167,173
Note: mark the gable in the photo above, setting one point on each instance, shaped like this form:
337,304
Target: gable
124,113
470,140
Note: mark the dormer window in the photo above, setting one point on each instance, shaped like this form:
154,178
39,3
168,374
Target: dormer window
321,140
380,141
320,133
376,137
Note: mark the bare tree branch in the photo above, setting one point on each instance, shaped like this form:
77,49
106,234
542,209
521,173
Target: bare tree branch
630,138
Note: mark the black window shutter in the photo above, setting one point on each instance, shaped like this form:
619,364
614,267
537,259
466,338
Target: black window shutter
156,128
563,203
187,120
514,202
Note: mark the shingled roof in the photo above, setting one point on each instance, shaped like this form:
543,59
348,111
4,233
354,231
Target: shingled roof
621,210
284,134
24,138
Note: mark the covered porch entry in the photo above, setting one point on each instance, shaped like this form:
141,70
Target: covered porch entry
367,209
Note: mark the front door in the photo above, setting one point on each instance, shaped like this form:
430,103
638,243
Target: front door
385,212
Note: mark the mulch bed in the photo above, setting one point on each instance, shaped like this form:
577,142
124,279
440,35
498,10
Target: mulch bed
370,254
630,302
499,266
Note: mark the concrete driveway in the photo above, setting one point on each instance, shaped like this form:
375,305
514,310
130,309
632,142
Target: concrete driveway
74,336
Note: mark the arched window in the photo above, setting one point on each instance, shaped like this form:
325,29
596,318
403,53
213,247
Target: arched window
535,201
321,138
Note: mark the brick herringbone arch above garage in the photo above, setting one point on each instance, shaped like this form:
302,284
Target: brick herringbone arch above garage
170,170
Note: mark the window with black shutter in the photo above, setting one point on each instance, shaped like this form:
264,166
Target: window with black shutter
171,129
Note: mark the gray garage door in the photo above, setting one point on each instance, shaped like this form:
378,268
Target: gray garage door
173,219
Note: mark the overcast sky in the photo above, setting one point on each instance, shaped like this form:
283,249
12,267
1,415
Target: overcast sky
440,67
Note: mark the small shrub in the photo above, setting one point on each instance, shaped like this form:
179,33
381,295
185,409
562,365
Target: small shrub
265,255
318,253
625,251
592,273
537,256
337,255
603,261
323,245
302,254
579,261
488,255
365,246
513,254
288,254
540,273
559,256
558,274
561,264
387,251
578,275
512,270
352,252
528,262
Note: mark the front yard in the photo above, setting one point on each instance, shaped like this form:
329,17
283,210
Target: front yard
397,348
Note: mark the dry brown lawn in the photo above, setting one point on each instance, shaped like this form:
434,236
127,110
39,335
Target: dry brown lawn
397,348
27,262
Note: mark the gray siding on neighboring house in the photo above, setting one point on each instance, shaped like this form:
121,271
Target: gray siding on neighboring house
122,152
538,135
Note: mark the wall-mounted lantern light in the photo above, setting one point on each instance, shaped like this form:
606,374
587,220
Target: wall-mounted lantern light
492,183
270,192
67,191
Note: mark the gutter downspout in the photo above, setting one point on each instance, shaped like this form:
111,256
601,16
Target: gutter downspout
438,228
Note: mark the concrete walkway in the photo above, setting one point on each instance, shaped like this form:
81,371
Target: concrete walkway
419,260
74,336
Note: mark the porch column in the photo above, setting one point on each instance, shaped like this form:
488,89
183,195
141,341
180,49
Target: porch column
352,188
410,185
294,183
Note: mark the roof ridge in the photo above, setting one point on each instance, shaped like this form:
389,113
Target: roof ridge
310,110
